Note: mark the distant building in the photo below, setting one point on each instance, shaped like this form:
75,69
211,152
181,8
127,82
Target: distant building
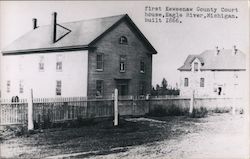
214,73
83,58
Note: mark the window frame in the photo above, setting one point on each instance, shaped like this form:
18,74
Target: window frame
123,62
123,40
58,87
186,82
142,66
59,66
202,82
21,87
101,85
100,61
41,64
8,84
59,63
196,66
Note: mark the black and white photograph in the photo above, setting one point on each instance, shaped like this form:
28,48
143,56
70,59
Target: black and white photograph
124,79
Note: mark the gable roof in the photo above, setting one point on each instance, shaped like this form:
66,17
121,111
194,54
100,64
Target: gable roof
225,60
73,35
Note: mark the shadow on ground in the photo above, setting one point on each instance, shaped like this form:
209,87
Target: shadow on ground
99,137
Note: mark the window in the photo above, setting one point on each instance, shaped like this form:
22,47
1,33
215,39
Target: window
58,87
41,63
59,62
142,89
99,62
123,63
123,40
59,66
21,89
186,82
142,67
8,86
202,82
99,88
196,66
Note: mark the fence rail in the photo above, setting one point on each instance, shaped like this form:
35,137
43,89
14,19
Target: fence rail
55,110
65,109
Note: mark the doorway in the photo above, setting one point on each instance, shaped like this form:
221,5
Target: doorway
219,90
123,87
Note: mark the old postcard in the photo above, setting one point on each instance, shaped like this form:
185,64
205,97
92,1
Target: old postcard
124,79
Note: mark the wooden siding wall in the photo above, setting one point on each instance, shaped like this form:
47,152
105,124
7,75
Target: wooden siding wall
135,51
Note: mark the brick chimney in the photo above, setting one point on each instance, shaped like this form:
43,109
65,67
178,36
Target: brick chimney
34,20
53,29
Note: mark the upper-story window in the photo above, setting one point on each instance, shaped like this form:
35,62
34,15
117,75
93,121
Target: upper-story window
41,63
59,62
196,66
123,40
58,87
185,82
142,66
8,86
99,62
202,82
21,86
123,59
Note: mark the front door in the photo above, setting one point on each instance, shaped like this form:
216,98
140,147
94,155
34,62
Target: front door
219,90
122,86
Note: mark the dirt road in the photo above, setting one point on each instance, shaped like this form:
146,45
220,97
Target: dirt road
215,136
218,136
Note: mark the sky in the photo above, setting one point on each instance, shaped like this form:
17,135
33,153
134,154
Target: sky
173,42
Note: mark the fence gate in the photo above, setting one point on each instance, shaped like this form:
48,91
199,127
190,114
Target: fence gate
12,113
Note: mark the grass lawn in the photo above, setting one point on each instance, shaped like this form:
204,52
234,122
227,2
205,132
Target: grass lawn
134,137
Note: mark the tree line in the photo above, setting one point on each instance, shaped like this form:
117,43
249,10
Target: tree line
164,89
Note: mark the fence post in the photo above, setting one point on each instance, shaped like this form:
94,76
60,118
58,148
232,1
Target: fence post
191,108
234,97
30,111
116,108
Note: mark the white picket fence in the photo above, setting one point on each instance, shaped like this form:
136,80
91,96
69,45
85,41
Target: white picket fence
13,112
54,110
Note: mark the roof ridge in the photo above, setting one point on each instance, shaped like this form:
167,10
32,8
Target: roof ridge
121,15
221,50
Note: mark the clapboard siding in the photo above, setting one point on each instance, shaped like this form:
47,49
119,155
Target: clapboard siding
135,51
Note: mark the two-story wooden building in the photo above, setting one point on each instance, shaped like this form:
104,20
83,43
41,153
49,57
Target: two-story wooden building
214,73
83,58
